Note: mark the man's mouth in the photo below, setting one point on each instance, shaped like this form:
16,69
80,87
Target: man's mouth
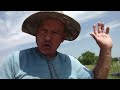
47,45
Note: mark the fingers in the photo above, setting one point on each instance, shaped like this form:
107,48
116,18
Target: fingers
95,29
100,28
107,30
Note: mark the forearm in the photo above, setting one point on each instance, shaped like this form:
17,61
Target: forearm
102,68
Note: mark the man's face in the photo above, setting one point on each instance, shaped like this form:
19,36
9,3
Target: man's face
49,36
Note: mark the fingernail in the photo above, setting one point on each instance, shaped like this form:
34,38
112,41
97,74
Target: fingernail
99,23
94,25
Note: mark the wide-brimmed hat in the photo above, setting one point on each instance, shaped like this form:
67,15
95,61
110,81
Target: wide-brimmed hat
72,27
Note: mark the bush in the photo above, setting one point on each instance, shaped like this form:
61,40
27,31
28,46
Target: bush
87,58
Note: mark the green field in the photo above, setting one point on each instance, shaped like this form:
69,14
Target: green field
115,67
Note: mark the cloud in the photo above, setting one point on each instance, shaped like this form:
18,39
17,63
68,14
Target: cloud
113,25
83,16
10,30
11,22
15,41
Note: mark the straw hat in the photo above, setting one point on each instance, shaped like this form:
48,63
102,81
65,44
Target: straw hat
72,27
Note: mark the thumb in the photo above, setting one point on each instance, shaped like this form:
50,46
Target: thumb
93,35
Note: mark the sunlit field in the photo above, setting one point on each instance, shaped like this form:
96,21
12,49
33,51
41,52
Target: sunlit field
115,69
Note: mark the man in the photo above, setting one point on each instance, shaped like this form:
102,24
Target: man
44,62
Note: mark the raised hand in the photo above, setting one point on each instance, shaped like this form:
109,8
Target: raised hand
102,36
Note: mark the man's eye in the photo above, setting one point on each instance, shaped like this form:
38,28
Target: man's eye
43,30
55,33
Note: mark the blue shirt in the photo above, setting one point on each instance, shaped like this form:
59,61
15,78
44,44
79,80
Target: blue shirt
31,64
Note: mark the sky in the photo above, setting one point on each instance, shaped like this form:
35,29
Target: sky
13,39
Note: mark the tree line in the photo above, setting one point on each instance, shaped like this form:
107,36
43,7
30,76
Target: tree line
89,58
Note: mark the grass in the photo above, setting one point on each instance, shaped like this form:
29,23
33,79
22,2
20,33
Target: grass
115,68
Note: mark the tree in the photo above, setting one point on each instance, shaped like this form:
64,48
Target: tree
87,58
114,59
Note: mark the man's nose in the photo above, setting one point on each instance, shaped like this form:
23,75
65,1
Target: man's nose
48,36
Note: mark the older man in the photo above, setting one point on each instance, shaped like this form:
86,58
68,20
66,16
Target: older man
44,62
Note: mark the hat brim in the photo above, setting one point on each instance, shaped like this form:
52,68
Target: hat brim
72,27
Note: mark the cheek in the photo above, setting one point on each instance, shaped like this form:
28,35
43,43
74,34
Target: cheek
61,39
38,40
56,43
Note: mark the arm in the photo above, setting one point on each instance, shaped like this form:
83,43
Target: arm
102,68
6,71
104,41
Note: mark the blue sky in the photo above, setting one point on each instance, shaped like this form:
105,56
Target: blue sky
13,39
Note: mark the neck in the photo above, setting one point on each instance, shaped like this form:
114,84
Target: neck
48,55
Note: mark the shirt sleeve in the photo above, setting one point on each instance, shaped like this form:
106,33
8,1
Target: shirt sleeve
80,71
7,70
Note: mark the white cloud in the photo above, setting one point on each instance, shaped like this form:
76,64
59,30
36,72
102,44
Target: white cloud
10,30
83,16
16,40
90,15
73,14
114,24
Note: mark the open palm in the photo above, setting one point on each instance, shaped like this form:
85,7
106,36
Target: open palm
102,36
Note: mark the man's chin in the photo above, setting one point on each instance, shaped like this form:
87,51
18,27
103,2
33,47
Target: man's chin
48,53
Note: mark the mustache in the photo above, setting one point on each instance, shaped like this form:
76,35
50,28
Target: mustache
45,41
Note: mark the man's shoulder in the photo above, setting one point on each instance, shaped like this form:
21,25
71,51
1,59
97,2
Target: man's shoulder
15,54
27,49
17,51
12,54
10,59
27,52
